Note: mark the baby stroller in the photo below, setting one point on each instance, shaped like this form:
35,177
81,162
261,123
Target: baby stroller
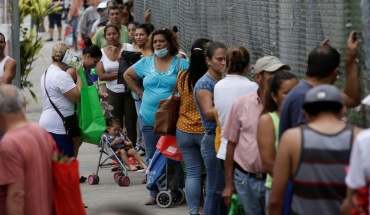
168,176
121,176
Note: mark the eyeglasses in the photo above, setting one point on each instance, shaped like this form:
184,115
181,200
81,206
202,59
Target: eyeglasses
2,42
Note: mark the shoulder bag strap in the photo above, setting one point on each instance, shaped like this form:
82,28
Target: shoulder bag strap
51,102
175,87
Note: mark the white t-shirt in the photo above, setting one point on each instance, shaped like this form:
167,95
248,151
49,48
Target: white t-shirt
58,82
225,93
111,67
359,169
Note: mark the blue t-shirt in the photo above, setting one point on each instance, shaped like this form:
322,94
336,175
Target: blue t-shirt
291,113
208,83
157,85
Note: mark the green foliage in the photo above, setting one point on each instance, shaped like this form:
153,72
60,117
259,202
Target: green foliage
31,44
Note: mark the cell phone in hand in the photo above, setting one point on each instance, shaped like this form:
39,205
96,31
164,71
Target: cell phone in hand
356,36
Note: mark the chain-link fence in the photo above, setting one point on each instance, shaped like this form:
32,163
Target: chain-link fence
289,29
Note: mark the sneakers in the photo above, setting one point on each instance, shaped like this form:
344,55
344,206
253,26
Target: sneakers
151,201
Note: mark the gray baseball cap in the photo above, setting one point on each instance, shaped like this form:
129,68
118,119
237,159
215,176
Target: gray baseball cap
322,94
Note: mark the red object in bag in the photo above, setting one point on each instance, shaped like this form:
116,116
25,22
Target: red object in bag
168,147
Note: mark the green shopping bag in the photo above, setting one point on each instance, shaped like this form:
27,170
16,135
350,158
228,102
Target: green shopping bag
236,208
90,114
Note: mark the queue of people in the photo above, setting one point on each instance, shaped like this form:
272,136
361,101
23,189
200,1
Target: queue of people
278,143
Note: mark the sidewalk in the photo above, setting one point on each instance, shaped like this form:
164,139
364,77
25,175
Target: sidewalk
107,192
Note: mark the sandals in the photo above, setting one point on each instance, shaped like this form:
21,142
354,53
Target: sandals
144,180
151,201
141,170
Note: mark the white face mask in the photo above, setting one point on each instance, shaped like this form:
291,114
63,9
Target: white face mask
161,53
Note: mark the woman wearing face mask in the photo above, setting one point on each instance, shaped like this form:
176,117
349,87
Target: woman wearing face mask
159,73
203,92
121,99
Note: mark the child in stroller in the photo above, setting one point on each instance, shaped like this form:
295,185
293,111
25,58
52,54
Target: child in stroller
121,144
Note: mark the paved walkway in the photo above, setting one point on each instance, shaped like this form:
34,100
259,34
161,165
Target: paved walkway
107,192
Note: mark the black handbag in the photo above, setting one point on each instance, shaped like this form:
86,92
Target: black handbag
70,122
127,59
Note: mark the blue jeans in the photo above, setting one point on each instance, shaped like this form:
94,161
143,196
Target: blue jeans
189,145
267,198
251,192
213,205
150,140
74,24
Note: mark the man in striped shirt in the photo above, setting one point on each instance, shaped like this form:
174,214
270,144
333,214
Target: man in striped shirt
314,157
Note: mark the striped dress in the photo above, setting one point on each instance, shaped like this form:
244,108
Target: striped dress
319,183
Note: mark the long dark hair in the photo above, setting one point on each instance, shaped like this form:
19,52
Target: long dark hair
273,87
198,66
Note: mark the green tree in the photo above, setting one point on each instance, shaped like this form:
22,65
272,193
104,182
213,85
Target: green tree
31,43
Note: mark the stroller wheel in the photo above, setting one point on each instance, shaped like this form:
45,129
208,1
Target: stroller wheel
126,181
178,196
123,181
93,179
164,199
116,176
120,181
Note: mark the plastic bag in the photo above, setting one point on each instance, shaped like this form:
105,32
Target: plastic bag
168,147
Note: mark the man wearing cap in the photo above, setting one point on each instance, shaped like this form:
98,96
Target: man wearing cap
103,14
322,68
87,19
243,166
114,17
314,156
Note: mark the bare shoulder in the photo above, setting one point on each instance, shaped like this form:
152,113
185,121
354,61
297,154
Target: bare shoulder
10,62
265,119
291,136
